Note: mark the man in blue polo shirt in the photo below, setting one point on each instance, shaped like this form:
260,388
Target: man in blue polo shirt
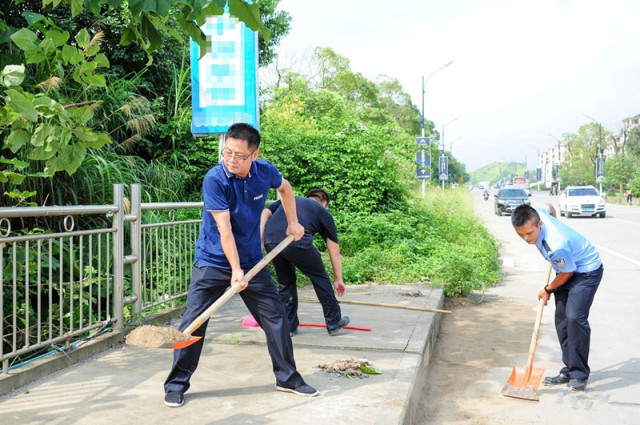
303,255
234,193
578,274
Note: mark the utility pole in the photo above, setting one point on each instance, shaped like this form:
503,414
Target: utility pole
424,84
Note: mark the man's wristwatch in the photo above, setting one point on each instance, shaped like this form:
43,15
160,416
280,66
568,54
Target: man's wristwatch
547,291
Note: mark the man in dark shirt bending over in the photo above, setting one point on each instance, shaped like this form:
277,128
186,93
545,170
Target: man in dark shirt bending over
302,254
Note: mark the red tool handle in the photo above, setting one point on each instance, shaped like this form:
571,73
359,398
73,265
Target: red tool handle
320,325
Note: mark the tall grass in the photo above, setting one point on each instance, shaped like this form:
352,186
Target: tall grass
102,168
436,240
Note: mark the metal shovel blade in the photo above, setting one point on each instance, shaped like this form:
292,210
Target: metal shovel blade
183,344
523,384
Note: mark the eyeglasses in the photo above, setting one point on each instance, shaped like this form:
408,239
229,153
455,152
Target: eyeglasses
229,155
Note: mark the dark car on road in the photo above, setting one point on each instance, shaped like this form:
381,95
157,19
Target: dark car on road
508,199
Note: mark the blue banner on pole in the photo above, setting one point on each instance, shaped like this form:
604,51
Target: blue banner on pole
224,82
423,165
600,167
444,168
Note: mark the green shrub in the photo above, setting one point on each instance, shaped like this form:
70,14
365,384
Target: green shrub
437,240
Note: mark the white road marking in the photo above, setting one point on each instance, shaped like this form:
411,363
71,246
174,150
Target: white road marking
617,254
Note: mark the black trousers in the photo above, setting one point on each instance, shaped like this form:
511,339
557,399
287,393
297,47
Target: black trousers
573,302
309,262
262,300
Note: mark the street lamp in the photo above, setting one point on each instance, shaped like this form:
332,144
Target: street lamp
443,127
538,161
558,179
424,84
451,144
599,160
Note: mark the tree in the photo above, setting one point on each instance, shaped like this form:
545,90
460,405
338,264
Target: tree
579,167
397,104
619,170
632,145
278,23
52,77
328,65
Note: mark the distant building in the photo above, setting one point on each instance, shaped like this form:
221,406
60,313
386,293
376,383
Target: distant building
547,161
628,124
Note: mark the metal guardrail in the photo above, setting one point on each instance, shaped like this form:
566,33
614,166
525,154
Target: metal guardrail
55,287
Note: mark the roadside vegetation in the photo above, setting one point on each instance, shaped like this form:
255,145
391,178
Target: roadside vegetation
437,241
79,112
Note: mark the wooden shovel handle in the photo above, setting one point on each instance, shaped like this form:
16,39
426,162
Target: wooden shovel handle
407,307
232,290
536,328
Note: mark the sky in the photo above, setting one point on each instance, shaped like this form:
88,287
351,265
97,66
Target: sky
523,74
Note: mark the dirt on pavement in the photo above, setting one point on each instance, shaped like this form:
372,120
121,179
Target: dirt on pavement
483,333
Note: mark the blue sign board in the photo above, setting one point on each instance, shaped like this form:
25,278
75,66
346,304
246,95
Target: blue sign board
599,167
423,141
224,82
444,168
423,165
538,174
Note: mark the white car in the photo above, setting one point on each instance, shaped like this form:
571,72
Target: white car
582,200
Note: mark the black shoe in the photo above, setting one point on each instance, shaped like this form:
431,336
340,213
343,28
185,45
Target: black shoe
562,378
293,332
174,399
334,329
303,390
577,385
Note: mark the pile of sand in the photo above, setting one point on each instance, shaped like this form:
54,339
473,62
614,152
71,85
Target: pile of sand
350,367
155,337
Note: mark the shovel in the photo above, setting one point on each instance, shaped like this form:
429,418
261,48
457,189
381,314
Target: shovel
524,381
176,339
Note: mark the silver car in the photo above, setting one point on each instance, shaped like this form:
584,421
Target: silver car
582,201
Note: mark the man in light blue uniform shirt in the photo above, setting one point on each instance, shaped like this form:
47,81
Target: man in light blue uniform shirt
578,274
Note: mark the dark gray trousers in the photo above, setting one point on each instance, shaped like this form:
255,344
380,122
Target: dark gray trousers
573,302
262,299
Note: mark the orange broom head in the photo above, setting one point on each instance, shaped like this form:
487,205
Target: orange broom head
523,384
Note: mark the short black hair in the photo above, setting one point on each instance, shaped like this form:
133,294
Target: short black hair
318,193
523,214
244,131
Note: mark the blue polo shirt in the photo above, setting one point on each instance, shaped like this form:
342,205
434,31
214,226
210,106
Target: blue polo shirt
244,198
567,250
311,215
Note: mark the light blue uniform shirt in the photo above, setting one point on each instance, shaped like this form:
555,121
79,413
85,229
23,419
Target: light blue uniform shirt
567,250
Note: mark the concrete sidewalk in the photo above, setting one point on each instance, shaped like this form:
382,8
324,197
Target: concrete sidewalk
234,383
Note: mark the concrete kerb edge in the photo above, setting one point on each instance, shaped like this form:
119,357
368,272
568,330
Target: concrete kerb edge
63,359
55,362
414,366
